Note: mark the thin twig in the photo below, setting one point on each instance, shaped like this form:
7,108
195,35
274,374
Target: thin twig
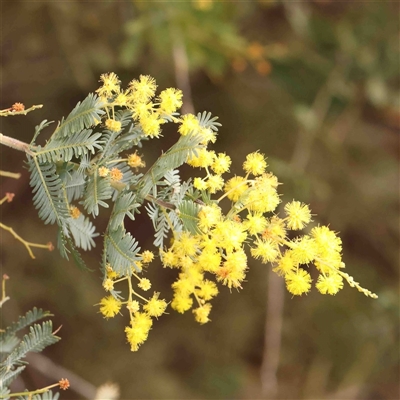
53,371
9,112
7,174
28,245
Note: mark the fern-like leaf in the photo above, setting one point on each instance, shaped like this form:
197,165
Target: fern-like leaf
67,248
76,144
188,211
3,392
38,129
125,205
207,121
47,187
184,148
122,250
84,115
83,232
75,185
38,338
23,321
97,190
7,376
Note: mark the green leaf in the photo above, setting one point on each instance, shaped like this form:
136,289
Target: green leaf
65,149
126,204
122,250
38,129
83,232
188,211
47,187
38,338
84,115
67,247
176,155
97,190
23,321
74,185
6,377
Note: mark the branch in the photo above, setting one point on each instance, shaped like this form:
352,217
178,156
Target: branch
18,110
15,144
7,174
28,245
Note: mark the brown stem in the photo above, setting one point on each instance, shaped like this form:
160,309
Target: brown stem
15,144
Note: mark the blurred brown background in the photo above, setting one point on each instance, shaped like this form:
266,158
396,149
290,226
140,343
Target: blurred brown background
313,85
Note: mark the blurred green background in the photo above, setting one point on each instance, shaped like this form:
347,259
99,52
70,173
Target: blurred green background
315,86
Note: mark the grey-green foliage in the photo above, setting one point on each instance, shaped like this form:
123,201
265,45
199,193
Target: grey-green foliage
14,349
65,172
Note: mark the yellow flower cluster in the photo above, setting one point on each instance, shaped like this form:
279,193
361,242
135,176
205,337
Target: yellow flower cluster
140,320
216,255
218,251
140,98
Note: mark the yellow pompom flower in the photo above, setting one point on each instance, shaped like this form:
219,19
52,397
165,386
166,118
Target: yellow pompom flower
116,175
151,125
169,258
74,212
215,183
121,100
235,187
221,164
110,85
108,284
255,223
138,332
208,135
203,159
144,284
207,290
181,303
255,164
298,282
147,256
275,229
103,172
266,250
113,125
209,261
133,306
155,307
110,306
141,110
170,100
201,314
326,239
209,216
135,161
298,215
142,90
186,245
304,250
261,199
189,123
199,183
329,284
285,264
